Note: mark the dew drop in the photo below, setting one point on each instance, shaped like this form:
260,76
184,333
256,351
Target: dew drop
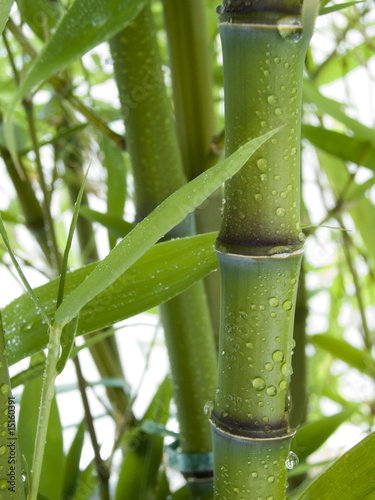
271,391
278,111
271,479
283,195
289,187
277,178
262,164
3,449
272,99
278,356
278,340
254,475
269,367
282,88
3,484
280,212
287,305
259,384
4,389
291,461
283,385
293,151
266,72
263,177
258,197
273,302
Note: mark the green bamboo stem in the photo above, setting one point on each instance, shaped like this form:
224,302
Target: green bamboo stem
11,484
158,172
185,24
259,247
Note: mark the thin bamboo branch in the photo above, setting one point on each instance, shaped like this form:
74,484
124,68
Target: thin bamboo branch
63,90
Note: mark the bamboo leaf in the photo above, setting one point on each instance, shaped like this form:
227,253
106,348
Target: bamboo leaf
344,351
87,483
335,109
72,471
167,215
116,226
343,64
162,273
312,435
40,14
337,7
359,151
352,476
144,453
53,462
4,13
86,24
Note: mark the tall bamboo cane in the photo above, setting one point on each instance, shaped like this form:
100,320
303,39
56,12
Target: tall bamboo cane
158,171
259,246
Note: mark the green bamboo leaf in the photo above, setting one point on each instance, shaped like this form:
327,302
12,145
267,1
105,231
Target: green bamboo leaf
163,272
87,483
356,150
4,13
343,64
117,226
40,14
67,342
166,216
312,435
351,477
143,455
53,462
27,375
337,7
335,109
344,351
72,472
86,24
116,182
10,466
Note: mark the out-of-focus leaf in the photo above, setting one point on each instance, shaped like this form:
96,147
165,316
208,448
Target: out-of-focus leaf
343,64
85,25
181,494
4,13
143,455
28,374
116,182
341,145
163,492
341,349
165,217
335,109
351,477
72,471
40,15
117,226
312,435
339,6
87,483
162,273
363,211
53,461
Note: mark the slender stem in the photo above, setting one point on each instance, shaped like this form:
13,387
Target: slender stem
48,392
101,469
158,172
63,90
195,119
28,105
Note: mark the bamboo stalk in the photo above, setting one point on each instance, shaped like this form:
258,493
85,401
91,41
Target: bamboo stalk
158,172
190,58
259,247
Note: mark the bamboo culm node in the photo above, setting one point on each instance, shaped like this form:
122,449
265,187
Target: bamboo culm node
259,248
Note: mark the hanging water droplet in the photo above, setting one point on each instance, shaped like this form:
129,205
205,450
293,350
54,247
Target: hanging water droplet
291,461
208,408
286,369
290,28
